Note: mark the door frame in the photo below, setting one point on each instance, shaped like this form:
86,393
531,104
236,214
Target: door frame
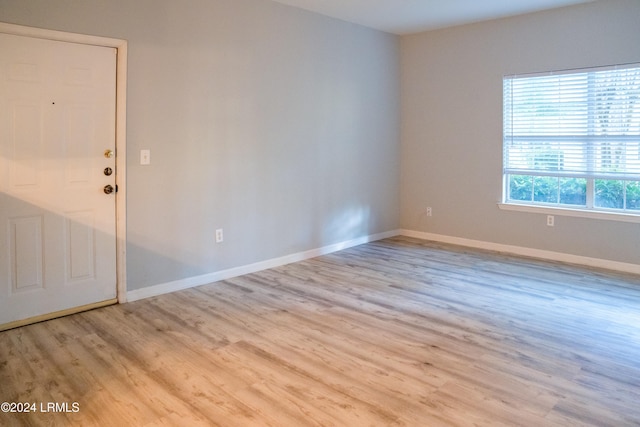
121,131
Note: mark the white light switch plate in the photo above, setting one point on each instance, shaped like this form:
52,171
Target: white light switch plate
145,157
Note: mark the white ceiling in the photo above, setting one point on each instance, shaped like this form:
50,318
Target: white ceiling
411,16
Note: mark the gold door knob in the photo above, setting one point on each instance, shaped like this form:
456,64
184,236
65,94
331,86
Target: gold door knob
108,154
108,189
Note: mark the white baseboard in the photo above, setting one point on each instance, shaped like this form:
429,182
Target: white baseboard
190,282
529,252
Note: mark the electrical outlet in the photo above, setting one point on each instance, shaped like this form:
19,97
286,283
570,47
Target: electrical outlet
219,236
145,157
550,220
429,211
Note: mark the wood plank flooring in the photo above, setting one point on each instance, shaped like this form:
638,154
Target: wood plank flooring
398,332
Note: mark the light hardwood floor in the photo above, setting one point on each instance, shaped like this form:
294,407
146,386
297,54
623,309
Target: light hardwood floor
398,332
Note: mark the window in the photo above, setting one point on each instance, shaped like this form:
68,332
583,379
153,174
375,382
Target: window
572,139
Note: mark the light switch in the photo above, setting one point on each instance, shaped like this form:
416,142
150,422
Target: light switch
145,157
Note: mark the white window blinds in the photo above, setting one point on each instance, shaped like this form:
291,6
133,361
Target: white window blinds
583,123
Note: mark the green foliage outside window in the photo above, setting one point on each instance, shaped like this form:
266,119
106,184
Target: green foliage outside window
547,189
573,191
611,194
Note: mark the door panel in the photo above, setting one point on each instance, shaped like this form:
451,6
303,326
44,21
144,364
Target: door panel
25,152
79,129
57,226
80,256
25,253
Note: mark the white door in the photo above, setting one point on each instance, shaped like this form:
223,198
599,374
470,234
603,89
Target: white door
57,225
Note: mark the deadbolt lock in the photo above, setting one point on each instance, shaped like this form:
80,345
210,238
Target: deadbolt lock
108,154
108,171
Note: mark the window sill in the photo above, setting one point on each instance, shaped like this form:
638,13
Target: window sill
579,213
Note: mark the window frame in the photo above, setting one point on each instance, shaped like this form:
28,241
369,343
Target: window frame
585,139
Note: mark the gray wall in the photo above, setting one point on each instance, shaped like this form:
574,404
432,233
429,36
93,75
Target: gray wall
282,126
452,123
276,124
